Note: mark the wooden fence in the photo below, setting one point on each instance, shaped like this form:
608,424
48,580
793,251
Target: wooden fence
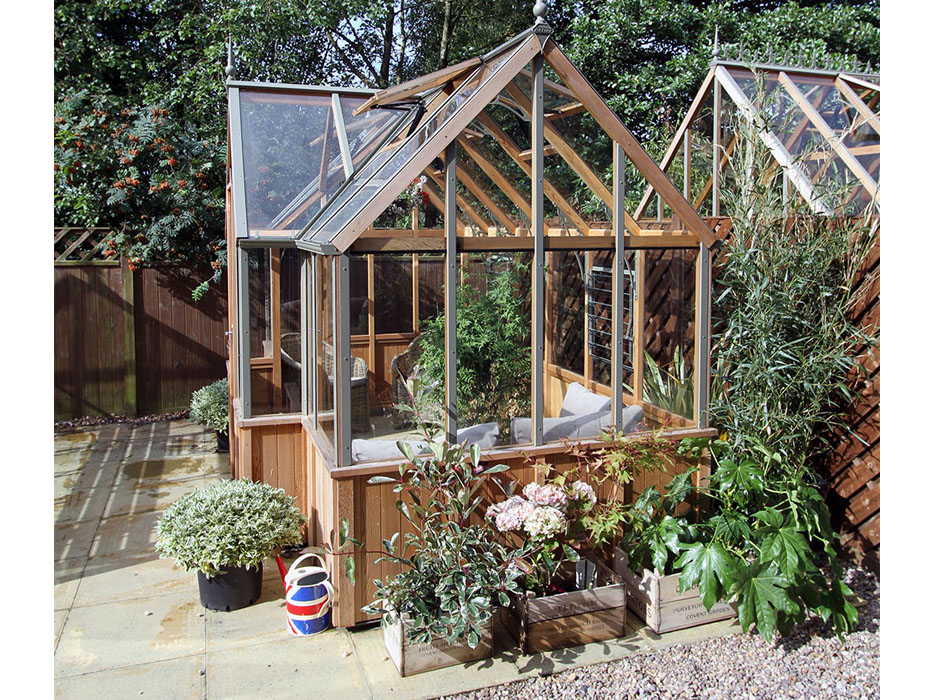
854,469
130,342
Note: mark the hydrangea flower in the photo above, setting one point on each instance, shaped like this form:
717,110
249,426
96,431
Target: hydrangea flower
547,495
545,521
582,491
511,514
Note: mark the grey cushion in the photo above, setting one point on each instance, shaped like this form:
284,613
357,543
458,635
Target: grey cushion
579,401
484,434
369,450
575,427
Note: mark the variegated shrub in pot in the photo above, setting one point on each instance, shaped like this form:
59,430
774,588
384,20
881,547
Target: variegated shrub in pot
225,532
438,611
210,407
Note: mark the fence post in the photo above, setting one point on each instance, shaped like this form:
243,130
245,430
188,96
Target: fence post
129,338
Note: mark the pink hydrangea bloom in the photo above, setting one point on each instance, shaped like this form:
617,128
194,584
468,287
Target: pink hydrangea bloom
583,492
545,521
511,514
547,495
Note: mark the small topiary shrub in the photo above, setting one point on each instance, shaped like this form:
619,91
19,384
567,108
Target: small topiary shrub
230,523
210,406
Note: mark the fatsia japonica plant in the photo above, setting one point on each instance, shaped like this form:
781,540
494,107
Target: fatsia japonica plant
454,571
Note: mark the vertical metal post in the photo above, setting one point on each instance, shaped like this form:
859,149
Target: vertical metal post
702,339
314,337
618,281
242,297
717,128
304,291
343,409
537,228
450,290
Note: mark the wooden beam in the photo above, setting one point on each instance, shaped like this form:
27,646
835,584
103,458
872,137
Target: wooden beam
410,88
553,240
708,185
613,126
800,179
493,173
275,323
549,150
684,127
514,152
853,99
852,80
464,176
817,120
464,206
434,142
128,301
437,199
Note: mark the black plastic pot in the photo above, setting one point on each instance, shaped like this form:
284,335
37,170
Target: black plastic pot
236,589
223,442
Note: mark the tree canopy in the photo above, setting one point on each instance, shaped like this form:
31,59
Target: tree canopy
140,98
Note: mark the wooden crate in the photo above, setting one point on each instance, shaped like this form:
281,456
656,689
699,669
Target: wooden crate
416,658
658,601
568,619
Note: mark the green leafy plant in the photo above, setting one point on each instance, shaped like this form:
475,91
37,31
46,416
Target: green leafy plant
454,573
669,388
493,350
142,172
210,406
227,524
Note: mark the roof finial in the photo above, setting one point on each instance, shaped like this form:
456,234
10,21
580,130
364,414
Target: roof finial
230,70
716,52
539,11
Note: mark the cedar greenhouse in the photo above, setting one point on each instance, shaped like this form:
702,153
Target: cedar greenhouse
375,232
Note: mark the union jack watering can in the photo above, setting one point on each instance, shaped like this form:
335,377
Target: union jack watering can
308,594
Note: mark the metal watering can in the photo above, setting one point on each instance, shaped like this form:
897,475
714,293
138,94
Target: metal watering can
308,594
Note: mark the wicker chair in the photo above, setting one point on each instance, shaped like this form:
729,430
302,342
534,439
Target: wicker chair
359,379
403,365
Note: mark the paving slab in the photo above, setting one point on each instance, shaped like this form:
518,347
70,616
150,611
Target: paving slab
125,535
152,495
111,579
59,620
73,540
174,678
67,579
691,635
85,505
111,635
153,471
263,621
319,667
557,660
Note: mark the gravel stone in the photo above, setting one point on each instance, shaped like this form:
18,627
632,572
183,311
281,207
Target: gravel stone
810,663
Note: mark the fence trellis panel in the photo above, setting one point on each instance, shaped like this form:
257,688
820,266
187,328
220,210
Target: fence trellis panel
130,341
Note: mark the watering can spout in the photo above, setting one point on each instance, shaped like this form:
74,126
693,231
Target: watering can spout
283,572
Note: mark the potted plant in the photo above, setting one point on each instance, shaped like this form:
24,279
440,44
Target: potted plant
210,407
565,599
225,531
653,539
438,610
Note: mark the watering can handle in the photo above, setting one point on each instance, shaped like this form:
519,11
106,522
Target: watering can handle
305,556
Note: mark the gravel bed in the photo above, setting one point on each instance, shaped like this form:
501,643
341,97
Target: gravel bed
85,421
811,663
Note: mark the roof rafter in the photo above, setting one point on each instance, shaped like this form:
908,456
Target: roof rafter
817,120
672,150
853,99
613,126
516,154
797,176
